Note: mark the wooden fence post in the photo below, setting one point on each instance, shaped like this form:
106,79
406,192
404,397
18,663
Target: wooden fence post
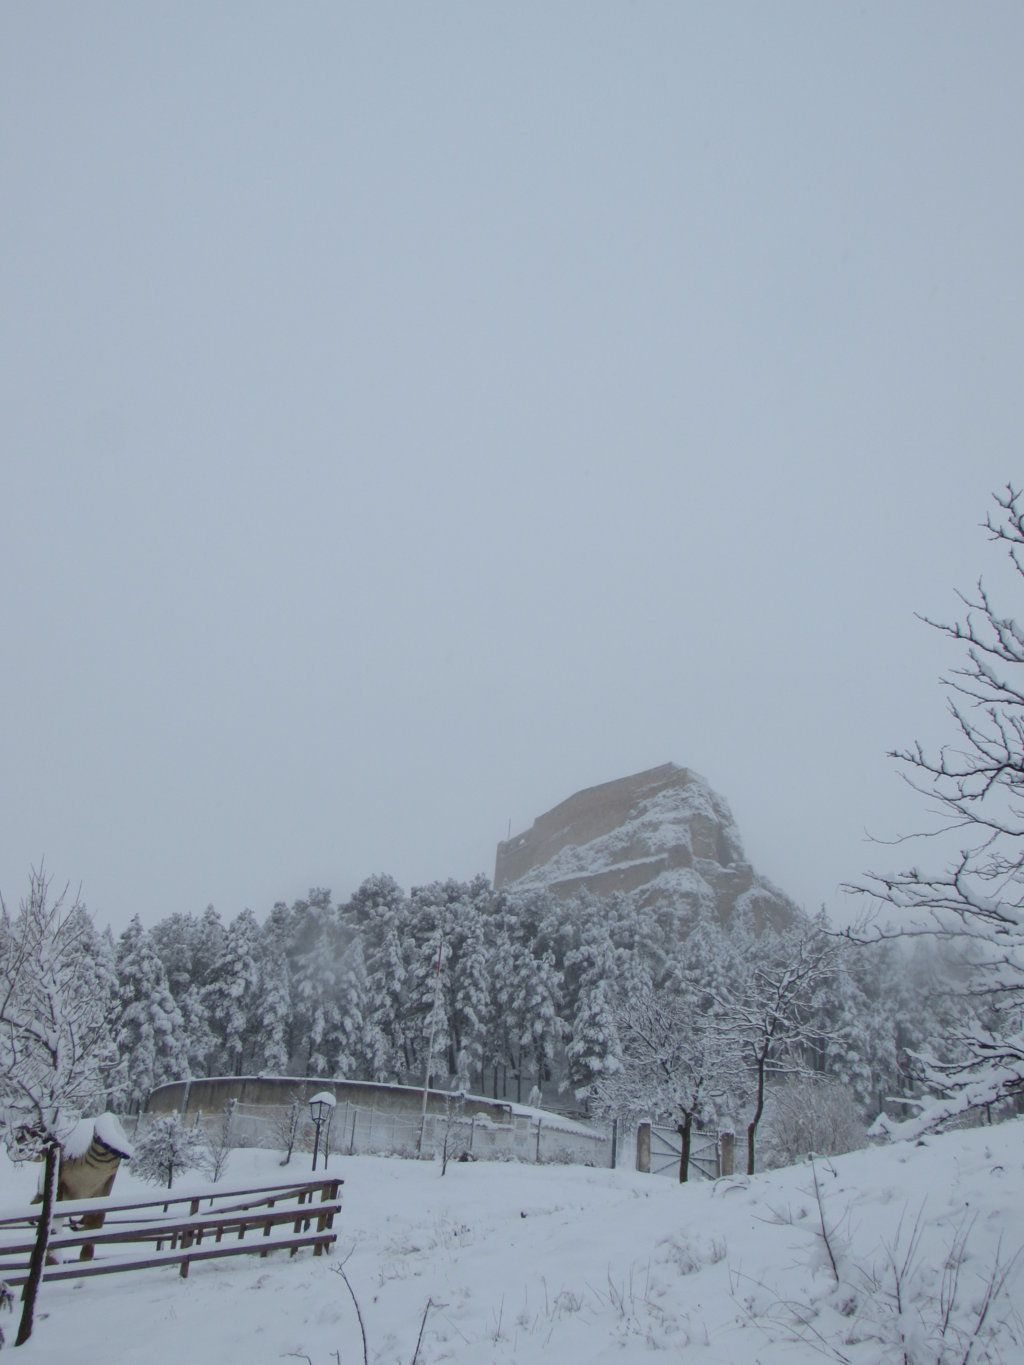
186,1238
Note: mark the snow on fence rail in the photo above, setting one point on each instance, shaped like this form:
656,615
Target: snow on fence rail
358,1130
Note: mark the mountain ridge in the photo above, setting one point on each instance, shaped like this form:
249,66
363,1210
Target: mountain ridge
663,835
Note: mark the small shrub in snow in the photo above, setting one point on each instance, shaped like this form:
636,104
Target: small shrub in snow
166,1148
690,1254
903,1304
807,1116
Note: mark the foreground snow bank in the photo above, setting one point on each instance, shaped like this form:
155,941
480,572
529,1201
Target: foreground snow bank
565,1264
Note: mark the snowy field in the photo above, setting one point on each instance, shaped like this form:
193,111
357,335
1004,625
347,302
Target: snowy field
566,1264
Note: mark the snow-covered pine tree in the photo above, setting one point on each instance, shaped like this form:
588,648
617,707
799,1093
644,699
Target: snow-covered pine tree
468,976
594,1049
149,1025
639,957
165,1148
531,998
347,1035
426,1022
378,912
209,944
314,980
230,994
198,1040
176,940
273,1006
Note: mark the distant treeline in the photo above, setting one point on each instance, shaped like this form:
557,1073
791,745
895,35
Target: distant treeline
518,989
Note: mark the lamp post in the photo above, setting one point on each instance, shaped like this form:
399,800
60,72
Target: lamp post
321,1111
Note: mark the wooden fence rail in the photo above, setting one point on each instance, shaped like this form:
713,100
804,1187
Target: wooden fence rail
255,1220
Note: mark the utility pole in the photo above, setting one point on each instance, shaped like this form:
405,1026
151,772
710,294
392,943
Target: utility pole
433,1031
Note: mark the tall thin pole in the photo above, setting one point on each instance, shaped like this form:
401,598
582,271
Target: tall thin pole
430,1039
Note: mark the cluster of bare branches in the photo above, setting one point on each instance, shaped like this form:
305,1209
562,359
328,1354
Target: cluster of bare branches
769,1019
676,1060
56,1048
976,783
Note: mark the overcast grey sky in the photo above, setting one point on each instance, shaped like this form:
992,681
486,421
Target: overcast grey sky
415,413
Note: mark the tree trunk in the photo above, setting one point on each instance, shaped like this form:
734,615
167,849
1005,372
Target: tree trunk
38,1258
684,1148
758,1111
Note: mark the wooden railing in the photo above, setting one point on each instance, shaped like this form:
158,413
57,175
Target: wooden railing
234,1222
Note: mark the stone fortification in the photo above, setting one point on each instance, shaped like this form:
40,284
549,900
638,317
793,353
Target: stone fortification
662,836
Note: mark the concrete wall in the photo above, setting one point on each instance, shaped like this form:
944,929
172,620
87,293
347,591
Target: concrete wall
212,1093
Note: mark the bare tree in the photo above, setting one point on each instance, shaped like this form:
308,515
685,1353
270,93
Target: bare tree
55,1043
976,900
454,1108
219,1143
677,1061
768,1018
287,1123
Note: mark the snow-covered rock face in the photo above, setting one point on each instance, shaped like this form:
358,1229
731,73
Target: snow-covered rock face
661,836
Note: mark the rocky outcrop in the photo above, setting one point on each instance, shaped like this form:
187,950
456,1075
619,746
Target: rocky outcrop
662,836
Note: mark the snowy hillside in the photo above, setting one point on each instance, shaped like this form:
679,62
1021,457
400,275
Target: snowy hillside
572,1265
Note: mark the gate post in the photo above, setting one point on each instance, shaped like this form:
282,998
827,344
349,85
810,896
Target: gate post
726,1150
643,1148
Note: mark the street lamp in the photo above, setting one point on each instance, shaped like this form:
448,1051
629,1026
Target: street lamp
321,1111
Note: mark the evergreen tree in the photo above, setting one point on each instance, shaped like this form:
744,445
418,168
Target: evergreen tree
314,980
175,940
230,992
273,1007
594,1050
198,1039
208,944
149,1032
346,1043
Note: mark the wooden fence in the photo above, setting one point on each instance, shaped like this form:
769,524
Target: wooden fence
208,1224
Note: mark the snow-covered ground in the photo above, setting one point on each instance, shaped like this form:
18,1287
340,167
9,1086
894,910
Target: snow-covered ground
566,1264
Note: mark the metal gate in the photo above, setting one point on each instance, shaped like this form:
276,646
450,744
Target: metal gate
667,1148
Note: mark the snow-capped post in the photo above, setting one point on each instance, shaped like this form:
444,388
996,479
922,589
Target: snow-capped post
321,1111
